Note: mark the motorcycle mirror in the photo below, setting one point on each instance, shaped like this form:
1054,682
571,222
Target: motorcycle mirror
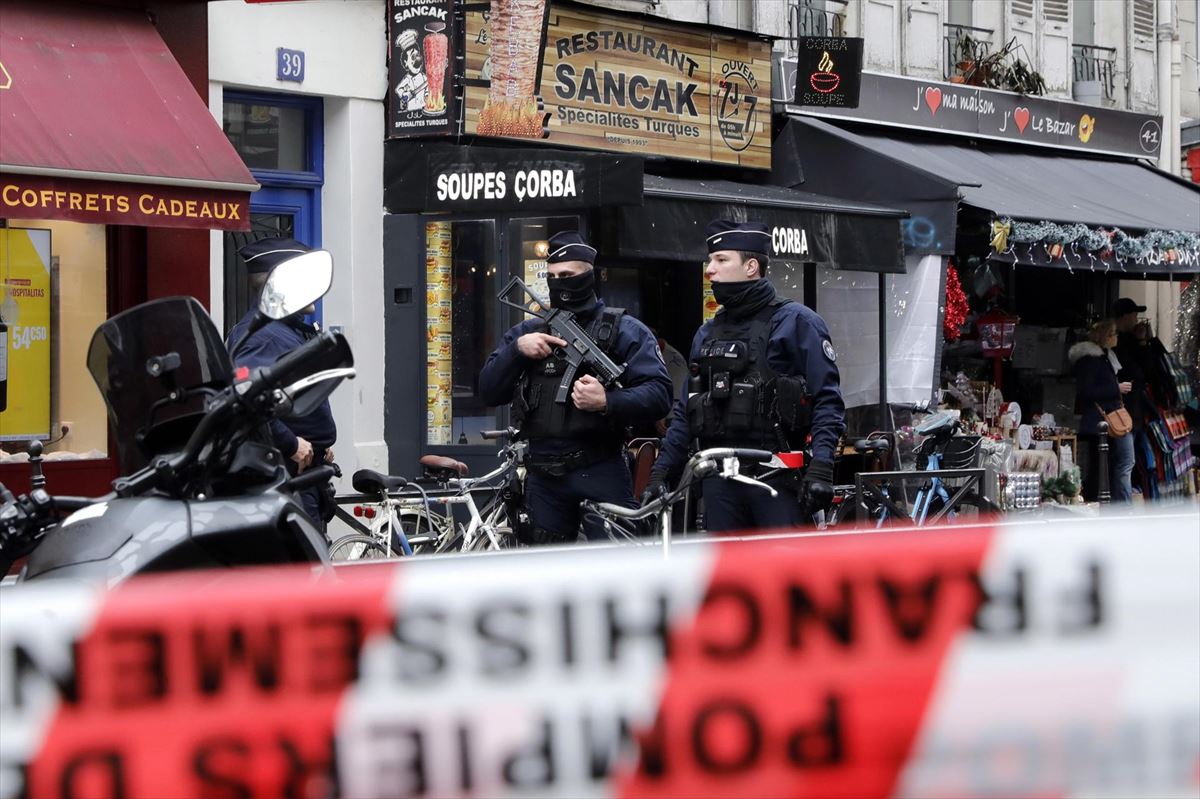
296,283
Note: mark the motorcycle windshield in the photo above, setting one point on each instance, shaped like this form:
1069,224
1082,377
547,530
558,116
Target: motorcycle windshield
146,420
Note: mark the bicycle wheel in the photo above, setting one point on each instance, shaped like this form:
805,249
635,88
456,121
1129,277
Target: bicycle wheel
359,547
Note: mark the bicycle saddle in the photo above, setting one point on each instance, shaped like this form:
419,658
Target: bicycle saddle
937,423
440,467
369,481
865,445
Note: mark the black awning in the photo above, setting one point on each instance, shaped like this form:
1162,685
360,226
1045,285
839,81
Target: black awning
820,157
1056,188
438,176
1004,182
805,228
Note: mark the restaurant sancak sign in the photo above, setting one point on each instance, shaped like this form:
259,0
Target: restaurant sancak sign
617,82
989,114
116,203
420,80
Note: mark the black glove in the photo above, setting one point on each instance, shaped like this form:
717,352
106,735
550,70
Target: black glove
654,489
816,489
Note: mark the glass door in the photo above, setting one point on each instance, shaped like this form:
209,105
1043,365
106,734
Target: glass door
273,212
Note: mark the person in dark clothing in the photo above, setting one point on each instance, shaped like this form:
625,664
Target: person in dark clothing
769,378
1097,392
576,448
309,439
1133,352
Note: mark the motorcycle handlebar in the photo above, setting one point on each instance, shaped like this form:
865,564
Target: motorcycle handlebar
295,364
312,477
72,504
284,371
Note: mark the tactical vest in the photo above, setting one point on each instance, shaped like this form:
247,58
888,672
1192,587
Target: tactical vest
534,410
742,401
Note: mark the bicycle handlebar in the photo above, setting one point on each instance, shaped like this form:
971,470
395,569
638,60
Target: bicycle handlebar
734,452
492,435
695,466
622,512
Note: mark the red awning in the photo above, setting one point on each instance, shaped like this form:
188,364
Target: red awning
98,123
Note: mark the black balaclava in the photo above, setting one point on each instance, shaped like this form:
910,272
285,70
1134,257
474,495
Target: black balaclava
575,294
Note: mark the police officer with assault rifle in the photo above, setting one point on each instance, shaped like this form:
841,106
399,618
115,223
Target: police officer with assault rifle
576,421
767,379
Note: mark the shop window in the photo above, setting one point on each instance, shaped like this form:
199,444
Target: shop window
461,326
53,296
528,247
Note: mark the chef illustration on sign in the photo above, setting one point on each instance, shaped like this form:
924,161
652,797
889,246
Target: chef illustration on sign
412,88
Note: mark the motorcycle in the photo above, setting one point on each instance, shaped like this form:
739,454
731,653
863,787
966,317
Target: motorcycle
209,490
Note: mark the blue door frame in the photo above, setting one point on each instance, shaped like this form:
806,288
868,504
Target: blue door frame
296,194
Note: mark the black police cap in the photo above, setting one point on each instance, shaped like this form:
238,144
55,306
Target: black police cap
264,254
743,236
570,246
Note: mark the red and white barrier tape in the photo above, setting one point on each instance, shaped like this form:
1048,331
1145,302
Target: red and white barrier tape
1016,660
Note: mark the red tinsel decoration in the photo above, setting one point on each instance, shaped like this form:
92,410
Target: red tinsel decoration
956,306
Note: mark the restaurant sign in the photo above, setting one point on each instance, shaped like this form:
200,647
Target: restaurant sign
610,81
444,177
829,71
117,203
420,80
988,114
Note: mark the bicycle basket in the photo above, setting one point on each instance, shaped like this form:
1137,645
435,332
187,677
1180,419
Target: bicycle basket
962,452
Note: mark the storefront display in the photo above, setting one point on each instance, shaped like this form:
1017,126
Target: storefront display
25,314
440,350
93,169
598,96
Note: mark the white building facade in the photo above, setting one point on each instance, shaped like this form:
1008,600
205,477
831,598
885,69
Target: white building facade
314,140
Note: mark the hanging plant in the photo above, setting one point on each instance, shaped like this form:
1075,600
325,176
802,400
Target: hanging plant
956,306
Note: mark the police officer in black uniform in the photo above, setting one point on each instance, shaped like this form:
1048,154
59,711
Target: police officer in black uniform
767,379
576,449
307,440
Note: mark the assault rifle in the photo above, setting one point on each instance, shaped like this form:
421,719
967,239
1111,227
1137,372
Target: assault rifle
581,350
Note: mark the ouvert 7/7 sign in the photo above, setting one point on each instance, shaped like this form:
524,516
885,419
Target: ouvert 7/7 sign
617,82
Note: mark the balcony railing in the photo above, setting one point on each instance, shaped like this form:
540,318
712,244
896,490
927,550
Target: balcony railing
955,34
1089,62
815,18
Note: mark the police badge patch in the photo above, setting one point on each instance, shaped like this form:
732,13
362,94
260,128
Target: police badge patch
827,346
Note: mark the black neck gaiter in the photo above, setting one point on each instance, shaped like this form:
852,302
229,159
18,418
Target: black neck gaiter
745,297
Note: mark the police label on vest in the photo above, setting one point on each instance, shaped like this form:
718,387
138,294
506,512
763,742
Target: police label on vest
789,240
526,183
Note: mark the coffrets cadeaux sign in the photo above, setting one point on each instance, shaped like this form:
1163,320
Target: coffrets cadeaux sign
617,82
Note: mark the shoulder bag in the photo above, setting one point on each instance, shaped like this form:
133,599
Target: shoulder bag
1119,421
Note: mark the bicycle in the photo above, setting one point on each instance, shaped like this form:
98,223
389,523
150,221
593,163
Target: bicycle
877,450
622,523
407,523
942,455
